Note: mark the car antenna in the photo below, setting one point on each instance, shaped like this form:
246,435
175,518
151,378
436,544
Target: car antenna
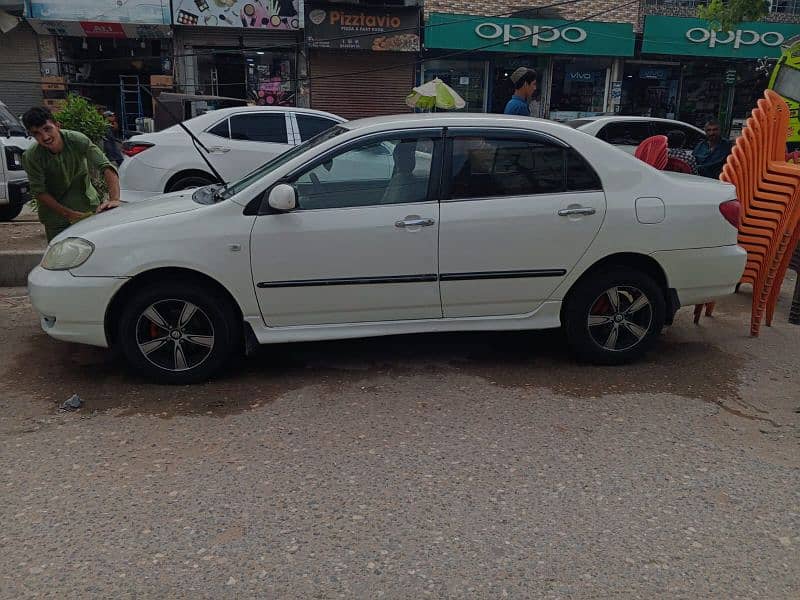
195,140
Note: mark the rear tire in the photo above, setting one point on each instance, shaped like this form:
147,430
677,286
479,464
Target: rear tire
188,182
178,333
9,212
614,317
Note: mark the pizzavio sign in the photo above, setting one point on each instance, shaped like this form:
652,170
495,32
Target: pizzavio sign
694,37
546,36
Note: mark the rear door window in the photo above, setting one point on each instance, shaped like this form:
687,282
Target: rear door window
625,133
311,125
260,128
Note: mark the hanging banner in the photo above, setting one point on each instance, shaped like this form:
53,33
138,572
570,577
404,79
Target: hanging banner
104,11
243,14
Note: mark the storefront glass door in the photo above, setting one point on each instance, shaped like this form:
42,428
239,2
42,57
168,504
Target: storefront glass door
579,87
502,87
650,90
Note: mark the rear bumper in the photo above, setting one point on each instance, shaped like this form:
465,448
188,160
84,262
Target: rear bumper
72,308
701,275
140,181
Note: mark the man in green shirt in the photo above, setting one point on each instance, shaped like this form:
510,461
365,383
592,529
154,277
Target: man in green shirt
58,169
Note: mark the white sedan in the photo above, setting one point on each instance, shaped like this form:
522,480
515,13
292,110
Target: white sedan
237,139
628,132
483,223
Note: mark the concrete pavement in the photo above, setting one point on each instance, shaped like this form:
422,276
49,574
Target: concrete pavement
465,466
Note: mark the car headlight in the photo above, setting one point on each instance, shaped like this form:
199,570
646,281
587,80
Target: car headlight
67,254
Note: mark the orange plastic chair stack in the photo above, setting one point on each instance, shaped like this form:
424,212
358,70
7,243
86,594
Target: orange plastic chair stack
768,189
653,151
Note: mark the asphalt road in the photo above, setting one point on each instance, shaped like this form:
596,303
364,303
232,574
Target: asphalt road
456,466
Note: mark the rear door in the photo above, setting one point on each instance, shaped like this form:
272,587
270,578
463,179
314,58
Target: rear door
254,138
518,213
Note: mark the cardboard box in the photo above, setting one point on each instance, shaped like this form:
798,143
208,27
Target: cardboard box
162,81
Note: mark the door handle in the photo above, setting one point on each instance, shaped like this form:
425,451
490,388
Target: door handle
577,210
215,149
414,221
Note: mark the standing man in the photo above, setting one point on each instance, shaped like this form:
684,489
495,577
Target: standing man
712,153
524,80
110,145
58,168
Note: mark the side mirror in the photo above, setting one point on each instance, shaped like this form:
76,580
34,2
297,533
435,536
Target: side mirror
283,198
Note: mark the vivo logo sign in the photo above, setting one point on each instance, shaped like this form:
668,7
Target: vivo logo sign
739,38
536,34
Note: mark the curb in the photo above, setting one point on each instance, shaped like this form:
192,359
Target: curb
15,266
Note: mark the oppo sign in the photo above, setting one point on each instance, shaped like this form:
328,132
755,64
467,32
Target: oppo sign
513,32
739,38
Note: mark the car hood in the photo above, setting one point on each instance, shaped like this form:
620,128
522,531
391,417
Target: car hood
129,212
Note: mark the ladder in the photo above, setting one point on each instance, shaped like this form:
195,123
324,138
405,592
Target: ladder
130,104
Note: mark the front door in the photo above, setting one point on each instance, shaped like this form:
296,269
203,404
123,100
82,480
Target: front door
519,213
362,245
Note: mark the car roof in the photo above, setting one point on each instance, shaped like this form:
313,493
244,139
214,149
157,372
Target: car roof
456,119
619,118
284,109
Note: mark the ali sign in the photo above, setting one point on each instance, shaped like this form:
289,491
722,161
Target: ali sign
545,36
693,37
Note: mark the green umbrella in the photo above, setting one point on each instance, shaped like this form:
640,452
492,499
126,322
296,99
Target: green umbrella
436,93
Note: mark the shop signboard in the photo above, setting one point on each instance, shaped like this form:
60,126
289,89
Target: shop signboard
379,28
103,11
695,37
540,36
242,14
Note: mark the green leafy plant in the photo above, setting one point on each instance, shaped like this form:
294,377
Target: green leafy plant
81,115
725,15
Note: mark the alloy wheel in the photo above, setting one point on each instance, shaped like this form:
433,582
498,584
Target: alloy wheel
620,318
175,335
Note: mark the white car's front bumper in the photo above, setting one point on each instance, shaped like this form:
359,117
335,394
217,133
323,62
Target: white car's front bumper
72,309
700,275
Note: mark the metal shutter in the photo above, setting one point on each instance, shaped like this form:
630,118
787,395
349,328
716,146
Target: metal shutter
20,62
226,36
382,91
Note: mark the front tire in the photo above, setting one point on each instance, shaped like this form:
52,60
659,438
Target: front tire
178,333
614,317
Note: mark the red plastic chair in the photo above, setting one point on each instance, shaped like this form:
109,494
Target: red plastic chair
653,151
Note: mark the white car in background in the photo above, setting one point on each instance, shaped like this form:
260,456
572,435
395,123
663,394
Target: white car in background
628,132
238,140
14,186
475,223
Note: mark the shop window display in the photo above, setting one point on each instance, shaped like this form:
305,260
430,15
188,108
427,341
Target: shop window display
650,90
579,88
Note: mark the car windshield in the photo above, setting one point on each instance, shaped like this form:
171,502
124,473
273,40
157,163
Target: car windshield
9,124
787,83
578,123
280,160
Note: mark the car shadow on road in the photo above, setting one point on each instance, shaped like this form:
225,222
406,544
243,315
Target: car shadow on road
508,359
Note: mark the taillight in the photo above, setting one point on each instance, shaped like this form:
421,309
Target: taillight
134,148
731,210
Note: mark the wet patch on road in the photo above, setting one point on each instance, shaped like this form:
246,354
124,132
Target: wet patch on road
53,371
